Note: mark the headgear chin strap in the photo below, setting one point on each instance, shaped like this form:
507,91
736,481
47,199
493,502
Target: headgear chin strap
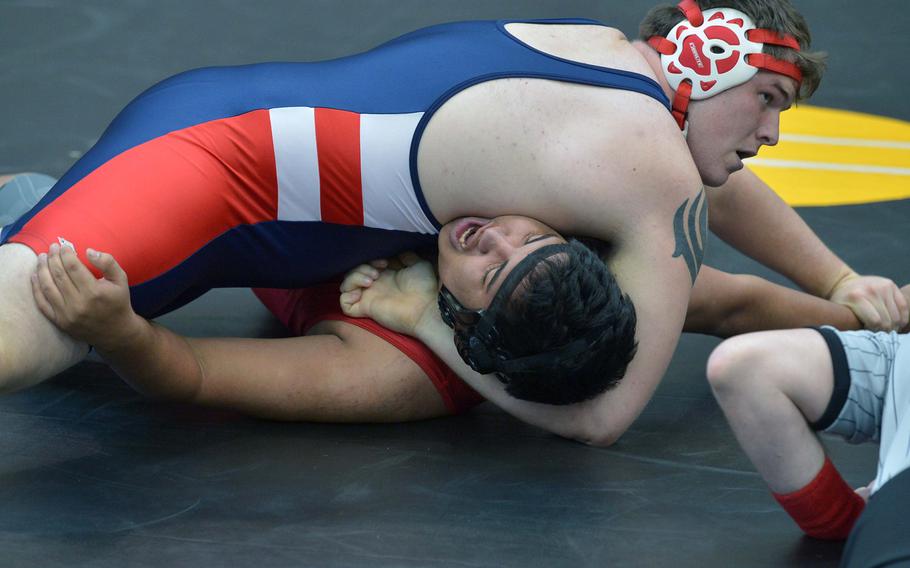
715,50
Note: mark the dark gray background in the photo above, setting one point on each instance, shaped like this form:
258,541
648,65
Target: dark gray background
93,475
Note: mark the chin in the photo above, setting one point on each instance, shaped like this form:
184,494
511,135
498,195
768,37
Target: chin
714,178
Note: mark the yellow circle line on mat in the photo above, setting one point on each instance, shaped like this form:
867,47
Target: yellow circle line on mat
837,157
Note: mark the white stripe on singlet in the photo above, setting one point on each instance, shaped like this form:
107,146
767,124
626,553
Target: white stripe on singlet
385,154
296,162
389,198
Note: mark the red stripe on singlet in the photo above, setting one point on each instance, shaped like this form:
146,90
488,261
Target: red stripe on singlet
158,203
338,148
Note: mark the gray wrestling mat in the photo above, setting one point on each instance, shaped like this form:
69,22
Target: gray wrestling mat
93,475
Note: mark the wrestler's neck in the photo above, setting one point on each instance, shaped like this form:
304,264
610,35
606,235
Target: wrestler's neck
653,59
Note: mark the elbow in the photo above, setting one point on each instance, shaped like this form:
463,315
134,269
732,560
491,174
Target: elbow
601,433
602,421
603,439
585,431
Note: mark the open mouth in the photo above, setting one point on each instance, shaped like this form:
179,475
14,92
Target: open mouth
745,155
465,230
463,239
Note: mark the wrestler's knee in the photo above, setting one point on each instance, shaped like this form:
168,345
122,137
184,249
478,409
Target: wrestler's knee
35,356
767,362
6,364
31,348
15,374
13,371
734,361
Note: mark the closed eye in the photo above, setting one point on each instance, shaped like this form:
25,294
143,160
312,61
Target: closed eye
530,239
488,271
534,238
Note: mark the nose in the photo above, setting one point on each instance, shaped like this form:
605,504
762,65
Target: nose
494,240
769,129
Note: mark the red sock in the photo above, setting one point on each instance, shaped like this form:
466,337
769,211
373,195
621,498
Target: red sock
825,508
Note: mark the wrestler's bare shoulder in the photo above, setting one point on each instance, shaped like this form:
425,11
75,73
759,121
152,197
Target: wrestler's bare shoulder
516,144
512,144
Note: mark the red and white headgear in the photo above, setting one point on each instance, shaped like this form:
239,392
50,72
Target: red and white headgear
715,50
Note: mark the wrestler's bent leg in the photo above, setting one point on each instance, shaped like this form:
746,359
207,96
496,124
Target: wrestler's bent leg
769,385
31,348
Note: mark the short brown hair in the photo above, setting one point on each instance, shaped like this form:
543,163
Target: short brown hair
777,15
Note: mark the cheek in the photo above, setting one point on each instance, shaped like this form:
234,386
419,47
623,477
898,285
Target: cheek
465,284
444,269
751,111
455,274
704,144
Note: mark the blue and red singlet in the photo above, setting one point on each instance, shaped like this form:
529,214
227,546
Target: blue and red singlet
279,175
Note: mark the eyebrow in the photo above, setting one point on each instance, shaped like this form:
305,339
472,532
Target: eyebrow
503,266
788,98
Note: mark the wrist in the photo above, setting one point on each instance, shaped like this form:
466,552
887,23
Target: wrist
429,323
129,332
844,275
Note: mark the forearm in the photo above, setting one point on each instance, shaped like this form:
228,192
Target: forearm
155,361
726,305
748,215
575,421
771,306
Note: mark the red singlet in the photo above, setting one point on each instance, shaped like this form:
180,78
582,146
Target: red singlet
302,308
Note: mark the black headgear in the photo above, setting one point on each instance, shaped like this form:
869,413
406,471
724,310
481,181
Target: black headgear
477,336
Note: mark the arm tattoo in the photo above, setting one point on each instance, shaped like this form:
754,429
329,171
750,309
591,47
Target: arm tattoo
690,224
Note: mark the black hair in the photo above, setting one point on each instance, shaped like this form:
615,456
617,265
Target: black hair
567,296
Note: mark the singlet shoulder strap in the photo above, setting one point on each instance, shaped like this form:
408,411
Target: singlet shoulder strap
575,21
577,71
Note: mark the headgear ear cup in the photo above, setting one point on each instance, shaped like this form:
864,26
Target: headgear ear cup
712,51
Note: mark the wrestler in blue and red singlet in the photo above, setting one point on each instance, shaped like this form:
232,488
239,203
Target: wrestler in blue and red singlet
279,174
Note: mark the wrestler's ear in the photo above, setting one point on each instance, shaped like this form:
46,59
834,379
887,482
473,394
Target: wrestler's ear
107,265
